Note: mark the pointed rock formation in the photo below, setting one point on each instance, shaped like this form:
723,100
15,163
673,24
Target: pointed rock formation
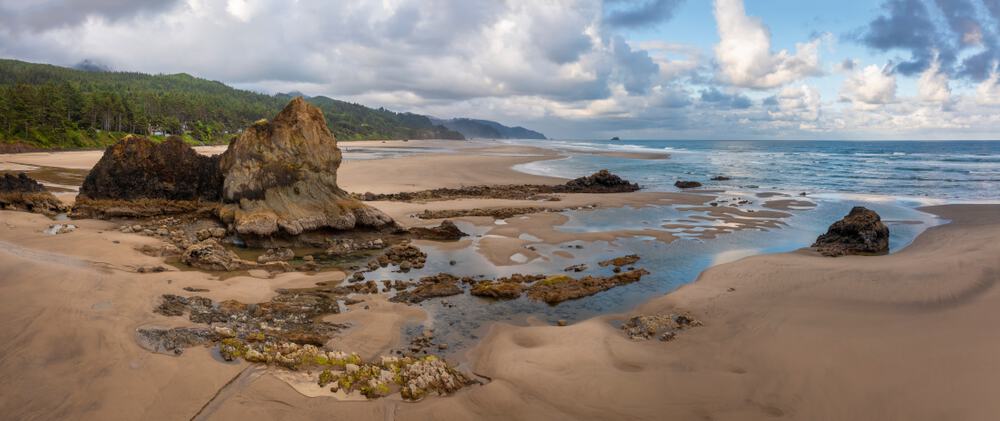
281,177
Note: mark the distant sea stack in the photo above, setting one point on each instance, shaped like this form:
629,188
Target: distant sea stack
277,178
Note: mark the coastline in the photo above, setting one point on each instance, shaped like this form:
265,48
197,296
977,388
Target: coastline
80,299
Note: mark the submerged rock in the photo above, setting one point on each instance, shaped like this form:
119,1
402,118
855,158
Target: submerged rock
281,177
860,232
558,288
447,231
23,193
441,285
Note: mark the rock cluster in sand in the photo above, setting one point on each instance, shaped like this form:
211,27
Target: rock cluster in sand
21,192
277,178
860,232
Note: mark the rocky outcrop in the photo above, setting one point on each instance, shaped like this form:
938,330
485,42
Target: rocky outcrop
447,231
23,193
681,184
860,232
558,288
138,168
212,256
602,181
281,177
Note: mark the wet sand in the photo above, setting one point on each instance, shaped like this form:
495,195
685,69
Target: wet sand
799,336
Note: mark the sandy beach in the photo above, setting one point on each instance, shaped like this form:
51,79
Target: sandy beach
789,335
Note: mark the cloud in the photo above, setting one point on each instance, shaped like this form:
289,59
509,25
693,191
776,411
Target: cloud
933,84
716,97
965,40
744,51
870,87
796,103
34,16
988,91
638,13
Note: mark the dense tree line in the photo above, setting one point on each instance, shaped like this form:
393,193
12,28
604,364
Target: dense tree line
55,107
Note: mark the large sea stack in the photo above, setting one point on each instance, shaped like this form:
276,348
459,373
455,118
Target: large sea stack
860,232
281,177
138,168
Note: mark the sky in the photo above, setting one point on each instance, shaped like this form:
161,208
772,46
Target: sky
584,69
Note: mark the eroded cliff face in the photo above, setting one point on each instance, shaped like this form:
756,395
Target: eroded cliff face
278,178
281,177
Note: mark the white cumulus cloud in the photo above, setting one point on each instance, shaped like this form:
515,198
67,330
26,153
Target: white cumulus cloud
870,87
933,83
988,91
744,51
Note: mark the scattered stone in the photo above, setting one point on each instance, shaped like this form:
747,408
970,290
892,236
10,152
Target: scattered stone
151,269
620,261
663,326
721,178
276,255
194,289
56,229
681,184
211,256
576,268
561,322
344,246
447,231
441,285
860,232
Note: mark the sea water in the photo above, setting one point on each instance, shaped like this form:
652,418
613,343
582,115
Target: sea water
892,178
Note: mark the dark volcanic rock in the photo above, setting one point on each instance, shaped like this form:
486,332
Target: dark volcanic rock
602,181
447,231
21,192
681,184
860,232
281,177
137,168
20,183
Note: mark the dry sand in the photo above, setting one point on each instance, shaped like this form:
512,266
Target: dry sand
799,336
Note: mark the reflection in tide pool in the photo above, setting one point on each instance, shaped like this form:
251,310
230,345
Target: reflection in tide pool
460,320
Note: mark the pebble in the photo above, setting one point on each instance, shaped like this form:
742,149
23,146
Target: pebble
561,322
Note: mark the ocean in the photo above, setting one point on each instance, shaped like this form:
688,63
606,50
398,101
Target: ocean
927,172
892,178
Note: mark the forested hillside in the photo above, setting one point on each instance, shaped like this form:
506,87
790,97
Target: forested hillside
48,106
